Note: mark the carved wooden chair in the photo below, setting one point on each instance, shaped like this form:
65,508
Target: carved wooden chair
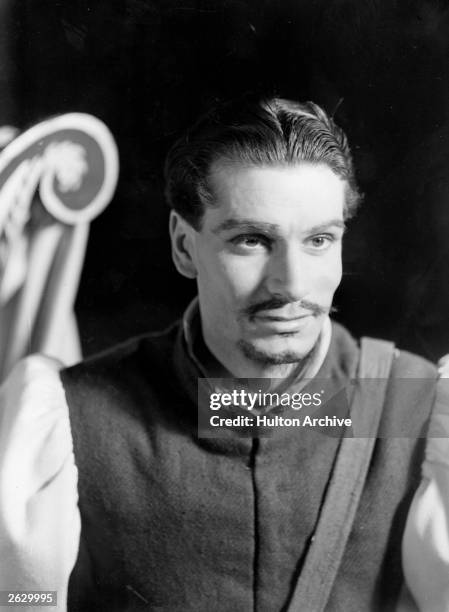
54,179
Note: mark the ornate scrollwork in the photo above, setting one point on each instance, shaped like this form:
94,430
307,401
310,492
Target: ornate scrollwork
54,179
71,161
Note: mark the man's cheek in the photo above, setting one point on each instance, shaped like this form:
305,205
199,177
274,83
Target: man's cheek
333,269
328,281
243,275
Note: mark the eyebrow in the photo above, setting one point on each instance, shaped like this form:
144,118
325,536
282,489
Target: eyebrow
261,226
323,226
245,224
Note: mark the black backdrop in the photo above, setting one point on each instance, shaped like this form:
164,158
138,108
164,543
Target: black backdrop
148,68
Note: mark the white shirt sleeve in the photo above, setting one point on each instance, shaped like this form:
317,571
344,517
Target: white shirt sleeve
39,517
425,546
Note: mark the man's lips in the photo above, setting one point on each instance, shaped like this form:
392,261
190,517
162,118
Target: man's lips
281,324
281,318
279,309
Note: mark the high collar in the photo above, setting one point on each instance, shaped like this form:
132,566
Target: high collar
334,362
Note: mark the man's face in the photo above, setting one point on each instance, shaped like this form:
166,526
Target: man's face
268,261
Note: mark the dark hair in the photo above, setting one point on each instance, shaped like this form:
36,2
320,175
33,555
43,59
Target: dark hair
268,132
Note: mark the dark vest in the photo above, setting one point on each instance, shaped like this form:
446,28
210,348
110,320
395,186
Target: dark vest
172,522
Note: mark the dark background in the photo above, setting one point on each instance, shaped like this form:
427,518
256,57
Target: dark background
149,68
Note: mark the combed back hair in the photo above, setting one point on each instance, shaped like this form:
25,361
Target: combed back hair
271,132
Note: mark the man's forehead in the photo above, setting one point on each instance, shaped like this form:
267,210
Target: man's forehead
275,195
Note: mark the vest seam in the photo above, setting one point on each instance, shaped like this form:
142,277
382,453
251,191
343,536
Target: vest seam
256,552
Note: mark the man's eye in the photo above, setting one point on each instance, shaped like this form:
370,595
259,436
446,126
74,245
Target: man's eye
321,242
250,241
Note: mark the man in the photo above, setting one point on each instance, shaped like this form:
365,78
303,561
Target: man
296,520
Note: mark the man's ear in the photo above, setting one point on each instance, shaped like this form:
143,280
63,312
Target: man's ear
182,245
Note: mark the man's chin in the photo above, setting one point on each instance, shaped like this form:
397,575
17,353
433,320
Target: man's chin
277,352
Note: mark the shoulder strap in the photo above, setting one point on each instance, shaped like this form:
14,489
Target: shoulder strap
346,483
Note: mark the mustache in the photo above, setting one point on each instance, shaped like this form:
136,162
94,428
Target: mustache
278,302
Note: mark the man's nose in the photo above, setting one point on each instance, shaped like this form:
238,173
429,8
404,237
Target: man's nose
288,274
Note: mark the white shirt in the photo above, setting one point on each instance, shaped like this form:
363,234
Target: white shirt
39,516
